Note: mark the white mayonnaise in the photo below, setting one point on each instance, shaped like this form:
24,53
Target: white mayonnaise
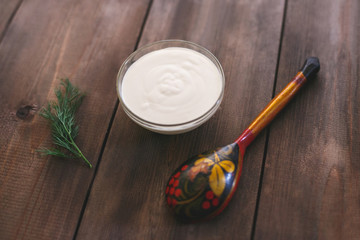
171,86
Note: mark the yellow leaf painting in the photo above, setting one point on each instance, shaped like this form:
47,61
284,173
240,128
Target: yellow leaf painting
217,179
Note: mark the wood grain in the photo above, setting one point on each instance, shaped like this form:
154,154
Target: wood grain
42,197
310,188
7,9
127,198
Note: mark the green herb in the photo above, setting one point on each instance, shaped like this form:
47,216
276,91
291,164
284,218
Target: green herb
61,115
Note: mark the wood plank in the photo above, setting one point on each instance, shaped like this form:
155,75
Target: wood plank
127,198
311,184
40,197
7,10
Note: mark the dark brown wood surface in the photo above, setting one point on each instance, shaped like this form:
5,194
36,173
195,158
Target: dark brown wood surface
301,177
310,188
42,197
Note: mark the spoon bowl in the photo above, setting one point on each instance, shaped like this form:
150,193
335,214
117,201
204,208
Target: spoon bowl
202,186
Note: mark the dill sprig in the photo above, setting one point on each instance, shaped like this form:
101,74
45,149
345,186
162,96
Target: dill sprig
61,115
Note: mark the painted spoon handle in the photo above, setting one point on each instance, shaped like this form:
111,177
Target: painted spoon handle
307,72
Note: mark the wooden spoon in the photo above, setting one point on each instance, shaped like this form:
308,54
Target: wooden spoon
203,186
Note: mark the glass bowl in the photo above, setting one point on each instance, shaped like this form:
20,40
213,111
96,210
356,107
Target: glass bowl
168,128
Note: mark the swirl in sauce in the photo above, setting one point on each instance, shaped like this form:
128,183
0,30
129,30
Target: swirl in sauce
171,86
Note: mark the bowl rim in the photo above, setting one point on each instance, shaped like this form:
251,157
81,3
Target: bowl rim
150,124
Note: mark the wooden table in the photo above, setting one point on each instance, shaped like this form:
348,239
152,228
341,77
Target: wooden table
301,177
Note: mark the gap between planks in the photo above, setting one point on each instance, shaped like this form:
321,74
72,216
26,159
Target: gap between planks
108,131
2,35
268,128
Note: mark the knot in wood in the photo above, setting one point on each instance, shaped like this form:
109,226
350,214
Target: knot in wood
26,112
